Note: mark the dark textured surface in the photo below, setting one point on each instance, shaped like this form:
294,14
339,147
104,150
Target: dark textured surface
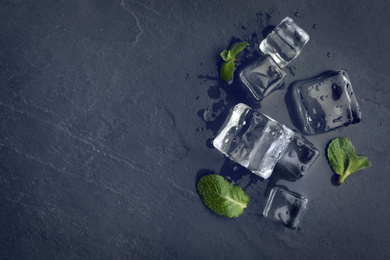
107,110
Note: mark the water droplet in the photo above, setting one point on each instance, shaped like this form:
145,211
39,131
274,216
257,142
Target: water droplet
337,91
339,119
329,54
297,14
314,26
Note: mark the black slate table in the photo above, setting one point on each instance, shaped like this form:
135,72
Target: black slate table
108,110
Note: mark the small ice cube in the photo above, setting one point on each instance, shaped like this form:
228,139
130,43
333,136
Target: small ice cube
285,42
285,206
253,140
299,157
324,103
262,77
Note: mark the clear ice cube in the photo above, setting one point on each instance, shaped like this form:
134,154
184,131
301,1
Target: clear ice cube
262,77
285,207
253,140
324,103
299,157
285,42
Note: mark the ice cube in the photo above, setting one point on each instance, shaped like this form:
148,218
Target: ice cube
285,42
298,158
324,103
253,140
285,206
262,77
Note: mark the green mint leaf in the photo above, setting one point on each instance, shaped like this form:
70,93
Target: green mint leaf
236,48
228,56
343,159
222,197
227,70
225,55
338,154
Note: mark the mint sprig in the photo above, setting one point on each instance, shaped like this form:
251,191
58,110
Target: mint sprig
343,159
228,57
222,197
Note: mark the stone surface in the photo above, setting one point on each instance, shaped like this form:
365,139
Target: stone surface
107,109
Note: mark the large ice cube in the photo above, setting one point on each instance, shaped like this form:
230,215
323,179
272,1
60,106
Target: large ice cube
299,157
324,103
285,206
285,42
262,77
253,140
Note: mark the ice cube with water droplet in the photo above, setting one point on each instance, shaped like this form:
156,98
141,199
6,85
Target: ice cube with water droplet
298,158
256,144
262,77
285,207
285,42
323,103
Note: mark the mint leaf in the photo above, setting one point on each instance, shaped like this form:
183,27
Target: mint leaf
339,150
227,70
343,159
222,197
228,56
236,48
225,55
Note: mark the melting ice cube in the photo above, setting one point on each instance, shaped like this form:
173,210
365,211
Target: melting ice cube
262,77
253,140
298,158
285,42
323,103
285,206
